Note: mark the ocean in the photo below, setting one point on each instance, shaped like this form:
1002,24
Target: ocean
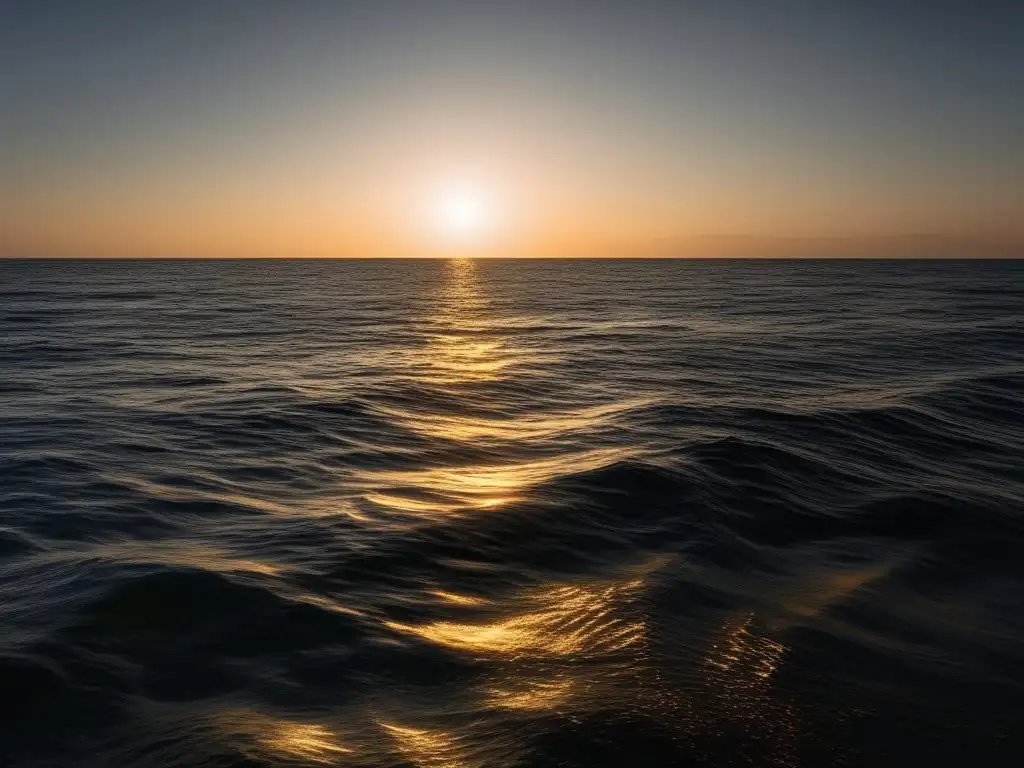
485,514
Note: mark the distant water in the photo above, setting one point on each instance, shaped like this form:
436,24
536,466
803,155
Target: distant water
511,513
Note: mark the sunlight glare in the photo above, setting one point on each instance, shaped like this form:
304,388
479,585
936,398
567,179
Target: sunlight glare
463,215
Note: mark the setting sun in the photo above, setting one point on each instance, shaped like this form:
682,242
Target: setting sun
463,215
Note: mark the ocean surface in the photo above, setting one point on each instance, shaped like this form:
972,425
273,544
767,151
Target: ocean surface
485,514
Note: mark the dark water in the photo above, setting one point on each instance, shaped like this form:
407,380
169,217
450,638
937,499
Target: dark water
474,515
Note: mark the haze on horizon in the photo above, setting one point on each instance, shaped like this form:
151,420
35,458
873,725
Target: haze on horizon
230,128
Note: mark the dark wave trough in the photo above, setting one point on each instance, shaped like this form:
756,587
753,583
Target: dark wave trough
511,513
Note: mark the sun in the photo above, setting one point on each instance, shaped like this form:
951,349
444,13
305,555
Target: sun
463,215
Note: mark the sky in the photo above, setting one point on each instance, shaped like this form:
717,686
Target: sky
632,128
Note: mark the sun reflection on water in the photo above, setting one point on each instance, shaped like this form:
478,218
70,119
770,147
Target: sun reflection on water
282,740
532,696
555,649
428,748
462,342
571,648
457,599
500,426
467,346
463,346
309,741
741,650
184,553
741,667
566,621
441,490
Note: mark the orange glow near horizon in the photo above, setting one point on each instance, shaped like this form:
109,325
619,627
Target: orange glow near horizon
325,130
527,201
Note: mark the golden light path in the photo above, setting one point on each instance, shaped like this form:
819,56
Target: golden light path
566,647
445,490
537,651
467,345
428,748
572,647
569,648
568,621
310,741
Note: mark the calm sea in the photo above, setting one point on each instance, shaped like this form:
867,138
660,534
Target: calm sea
458,514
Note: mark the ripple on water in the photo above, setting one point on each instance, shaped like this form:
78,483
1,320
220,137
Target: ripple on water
500,513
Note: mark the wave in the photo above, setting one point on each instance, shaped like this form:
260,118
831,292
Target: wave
469,515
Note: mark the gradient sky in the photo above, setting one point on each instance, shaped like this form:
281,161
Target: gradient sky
304,128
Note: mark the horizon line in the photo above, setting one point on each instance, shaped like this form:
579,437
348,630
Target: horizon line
893,246
449,257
